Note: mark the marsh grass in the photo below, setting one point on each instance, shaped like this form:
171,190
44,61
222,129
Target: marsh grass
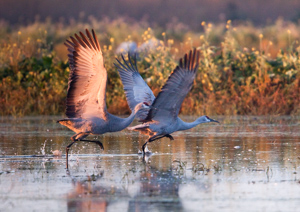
243,69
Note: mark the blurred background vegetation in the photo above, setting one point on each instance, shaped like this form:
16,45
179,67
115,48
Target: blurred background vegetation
249,52
155,12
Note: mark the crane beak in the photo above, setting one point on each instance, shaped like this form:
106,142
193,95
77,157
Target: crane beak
212,120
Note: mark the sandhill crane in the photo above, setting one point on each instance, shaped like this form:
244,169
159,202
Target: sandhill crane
161,119
85,105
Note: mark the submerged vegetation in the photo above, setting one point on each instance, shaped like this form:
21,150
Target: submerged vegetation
243,70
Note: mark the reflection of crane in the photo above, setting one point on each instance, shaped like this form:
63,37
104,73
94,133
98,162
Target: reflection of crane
159,189
86,106
153,188
162,118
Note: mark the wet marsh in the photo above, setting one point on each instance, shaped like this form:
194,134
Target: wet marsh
243,164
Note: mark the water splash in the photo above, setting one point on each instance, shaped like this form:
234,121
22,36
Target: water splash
43,148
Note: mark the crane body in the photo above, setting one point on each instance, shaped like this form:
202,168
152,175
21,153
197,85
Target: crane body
160,119
86,101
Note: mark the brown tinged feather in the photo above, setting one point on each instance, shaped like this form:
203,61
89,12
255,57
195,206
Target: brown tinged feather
75,42
70,47
91,39
70,43
80,41
84,38
96,40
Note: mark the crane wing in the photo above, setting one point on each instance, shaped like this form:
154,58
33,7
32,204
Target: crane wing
87,79
136,89
168,102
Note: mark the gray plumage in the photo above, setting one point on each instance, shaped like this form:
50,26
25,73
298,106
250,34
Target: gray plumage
161,118
85,105
135,87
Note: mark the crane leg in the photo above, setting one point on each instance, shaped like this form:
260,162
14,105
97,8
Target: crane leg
67,153
153,138
96,142
170,137
144,146
74,139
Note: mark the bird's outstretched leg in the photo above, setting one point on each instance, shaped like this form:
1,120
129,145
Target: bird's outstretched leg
153,138
170,137
146,153
96,142
144,146
75,138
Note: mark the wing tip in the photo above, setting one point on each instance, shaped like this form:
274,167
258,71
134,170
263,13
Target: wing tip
128,65
190,60
84,40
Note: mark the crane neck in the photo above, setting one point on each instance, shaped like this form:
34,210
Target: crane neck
188,125
127,121
118,124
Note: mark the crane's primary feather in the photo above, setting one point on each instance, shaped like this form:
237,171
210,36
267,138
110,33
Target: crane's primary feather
168,102
87,79
135,87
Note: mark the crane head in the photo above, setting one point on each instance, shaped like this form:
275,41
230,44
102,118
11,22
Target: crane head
211,120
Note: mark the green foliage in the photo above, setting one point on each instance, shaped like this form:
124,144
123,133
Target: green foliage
39,87
243,69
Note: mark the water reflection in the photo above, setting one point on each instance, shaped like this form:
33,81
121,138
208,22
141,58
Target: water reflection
158,191
151,189
86,197
225,167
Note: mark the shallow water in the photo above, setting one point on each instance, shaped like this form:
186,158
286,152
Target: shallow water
243,164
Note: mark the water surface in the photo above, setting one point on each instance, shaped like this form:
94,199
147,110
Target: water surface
243,164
